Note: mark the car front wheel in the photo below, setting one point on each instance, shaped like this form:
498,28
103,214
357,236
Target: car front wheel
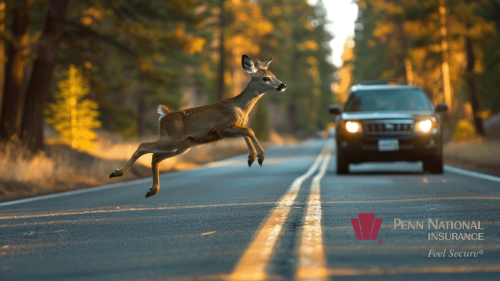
434,165
342,167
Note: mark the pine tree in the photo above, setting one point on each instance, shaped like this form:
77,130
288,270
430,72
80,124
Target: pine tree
72,115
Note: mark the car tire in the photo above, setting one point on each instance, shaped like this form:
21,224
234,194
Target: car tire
434,165
342,168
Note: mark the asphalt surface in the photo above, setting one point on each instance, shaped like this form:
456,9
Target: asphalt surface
227,221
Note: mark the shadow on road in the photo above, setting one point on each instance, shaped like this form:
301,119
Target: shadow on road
385,173
393,168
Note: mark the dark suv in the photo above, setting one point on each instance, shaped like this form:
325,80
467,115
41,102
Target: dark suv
389,123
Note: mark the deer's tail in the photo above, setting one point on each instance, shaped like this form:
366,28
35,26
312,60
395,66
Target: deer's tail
163,110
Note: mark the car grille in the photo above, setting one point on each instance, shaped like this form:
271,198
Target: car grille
388,127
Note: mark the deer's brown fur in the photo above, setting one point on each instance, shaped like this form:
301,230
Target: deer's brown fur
181,130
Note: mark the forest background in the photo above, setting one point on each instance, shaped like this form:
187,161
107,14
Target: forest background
80,80
83,79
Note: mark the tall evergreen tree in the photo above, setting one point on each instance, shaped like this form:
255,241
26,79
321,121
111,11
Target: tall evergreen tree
73,115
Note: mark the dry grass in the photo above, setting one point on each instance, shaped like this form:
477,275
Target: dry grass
478,154
63,169
60,169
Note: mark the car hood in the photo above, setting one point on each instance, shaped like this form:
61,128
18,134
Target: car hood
373,115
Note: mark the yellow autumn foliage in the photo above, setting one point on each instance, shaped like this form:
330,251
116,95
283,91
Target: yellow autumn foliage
72,115
463,131
194,45
308,44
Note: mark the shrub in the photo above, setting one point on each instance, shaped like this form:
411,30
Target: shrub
464,130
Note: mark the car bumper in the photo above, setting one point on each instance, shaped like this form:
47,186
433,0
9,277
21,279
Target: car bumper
357,148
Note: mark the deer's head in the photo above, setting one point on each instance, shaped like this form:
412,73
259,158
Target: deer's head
262,80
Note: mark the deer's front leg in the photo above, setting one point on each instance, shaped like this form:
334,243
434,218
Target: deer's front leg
251,151
238,131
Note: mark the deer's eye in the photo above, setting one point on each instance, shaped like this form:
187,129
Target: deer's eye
267,79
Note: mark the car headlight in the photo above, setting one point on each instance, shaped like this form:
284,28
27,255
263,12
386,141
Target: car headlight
352,127
425,126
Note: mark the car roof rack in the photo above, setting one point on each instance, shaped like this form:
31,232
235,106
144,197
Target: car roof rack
384,82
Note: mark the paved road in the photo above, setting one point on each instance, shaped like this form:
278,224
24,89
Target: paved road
289,219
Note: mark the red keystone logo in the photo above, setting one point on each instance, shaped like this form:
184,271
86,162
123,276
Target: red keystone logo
366,222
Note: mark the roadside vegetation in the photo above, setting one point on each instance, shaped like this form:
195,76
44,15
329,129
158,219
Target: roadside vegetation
61,168
474,154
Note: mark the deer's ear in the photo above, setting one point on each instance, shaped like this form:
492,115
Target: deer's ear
248,65
263,64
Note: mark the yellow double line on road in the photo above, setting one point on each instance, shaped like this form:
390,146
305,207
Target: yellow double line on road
254,262
311,263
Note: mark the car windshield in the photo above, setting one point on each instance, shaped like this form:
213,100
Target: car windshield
388,100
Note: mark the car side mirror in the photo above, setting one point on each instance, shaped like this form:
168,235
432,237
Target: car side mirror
334,109
441,107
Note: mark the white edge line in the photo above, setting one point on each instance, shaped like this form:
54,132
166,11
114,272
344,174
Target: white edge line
73,192
471,174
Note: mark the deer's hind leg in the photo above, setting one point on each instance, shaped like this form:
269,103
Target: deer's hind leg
144,148
183,147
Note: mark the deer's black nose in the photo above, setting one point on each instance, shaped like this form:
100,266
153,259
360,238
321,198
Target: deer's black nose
282,86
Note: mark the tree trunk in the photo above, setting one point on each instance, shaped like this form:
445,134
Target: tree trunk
471,84
36,95
444,49
409,71
141,122
13,95
293,118
222,84
2,51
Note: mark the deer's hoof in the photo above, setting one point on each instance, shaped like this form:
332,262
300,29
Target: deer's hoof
152,192
250,160
115,174
261,160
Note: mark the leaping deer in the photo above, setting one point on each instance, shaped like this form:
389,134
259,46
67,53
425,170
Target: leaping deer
181,130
